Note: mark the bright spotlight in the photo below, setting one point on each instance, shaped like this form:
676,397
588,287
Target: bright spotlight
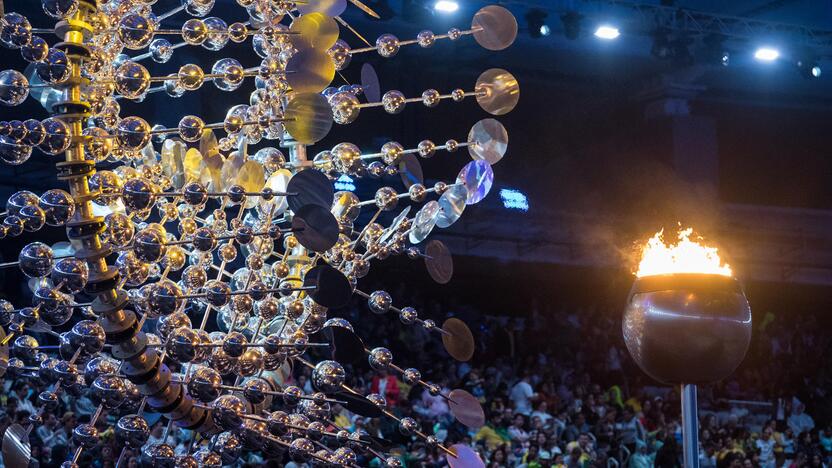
545,30
446,6
766,54
607,32
816,71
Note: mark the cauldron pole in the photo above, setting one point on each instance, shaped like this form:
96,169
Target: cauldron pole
690,426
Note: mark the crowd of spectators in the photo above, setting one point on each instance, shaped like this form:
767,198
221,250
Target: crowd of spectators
558,390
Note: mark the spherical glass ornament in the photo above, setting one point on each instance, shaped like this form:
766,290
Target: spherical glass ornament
15,130
57,136
387,45
132,80
36,50
328,376
194,31
85,435
35,133
237,32
454,34
133,133
33,218
408,426
458,94
98,144
58,206
36,260
55,68
135,31
217,35
393,101
60,9
15,30
426,38
132,431
161,50
375,169
190,128
120,229
430,98
426,148
172,88
190,77
163,298
408,315
198,7
20,199
12,152
345,107
14,87
391,152
232,73
134,271
138,194
345,155
380,302
72,272
340,53
386,198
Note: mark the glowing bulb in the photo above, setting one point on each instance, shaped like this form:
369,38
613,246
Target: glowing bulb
607,32
446,6
766,54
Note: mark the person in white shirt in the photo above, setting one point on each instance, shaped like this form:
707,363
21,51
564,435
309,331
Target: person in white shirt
542,413
799,421
521,395
765,445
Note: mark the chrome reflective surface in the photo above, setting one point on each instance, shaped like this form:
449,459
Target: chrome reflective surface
16,448
684,331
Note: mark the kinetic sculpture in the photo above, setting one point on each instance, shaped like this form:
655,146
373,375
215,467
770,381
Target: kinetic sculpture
171,229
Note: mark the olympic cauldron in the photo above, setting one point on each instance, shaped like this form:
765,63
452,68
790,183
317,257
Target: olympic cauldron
689,327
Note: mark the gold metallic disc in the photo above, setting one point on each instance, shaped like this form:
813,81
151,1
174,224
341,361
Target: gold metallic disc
466,408
252,177
459,343
230,168
497,27
500,91
193,162
489,141
309,117
310,71
314,31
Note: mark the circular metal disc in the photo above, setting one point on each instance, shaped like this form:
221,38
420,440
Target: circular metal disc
489,141
465,457
477,177
311,187
370,84
347,347
315,30
278,182
439,262
451,204
498,27
310,71
16,448
459,342
327,7
410,170
466,408
309,118
251,177
315,228
332,288
424,221
501,91
359,405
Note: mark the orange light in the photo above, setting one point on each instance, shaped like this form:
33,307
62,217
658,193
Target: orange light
685,256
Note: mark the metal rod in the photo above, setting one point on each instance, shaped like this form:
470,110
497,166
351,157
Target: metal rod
690,426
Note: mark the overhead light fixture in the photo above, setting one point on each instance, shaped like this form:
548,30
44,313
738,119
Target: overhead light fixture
446,6
536,19
715,51
607,32
767,54
571,24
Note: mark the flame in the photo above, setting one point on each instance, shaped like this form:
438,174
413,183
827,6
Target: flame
685,256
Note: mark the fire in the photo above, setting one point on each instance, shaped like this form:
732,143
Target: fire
685,256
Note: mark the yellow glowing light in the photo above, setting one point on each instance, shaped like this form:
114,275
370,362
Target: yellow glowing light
685,256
